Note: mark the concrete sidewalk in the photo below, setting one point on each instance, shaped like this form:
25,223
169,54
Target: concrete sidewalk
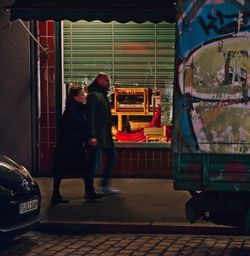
144,206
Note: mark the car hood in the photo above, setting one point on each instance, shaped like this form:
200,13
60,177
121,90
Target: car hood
10,173
9,168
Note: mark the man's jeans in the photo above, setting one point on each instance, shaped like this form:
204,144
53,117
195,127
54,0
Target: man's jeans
94,162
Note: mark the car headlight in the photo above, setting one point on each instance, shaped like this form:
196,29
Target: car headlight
26,173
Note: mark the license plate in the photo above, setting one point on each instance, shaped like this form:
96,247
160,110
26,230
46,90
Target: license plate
28,206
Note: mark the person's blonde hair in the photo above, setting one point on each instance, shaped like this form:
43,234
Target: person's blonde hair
73,90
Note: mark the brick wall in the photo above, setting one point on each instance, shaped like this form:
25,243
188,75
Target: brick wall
46,36
143,163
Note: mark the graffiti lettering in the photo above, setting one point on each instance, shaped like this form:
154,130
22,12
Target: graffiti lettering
222,23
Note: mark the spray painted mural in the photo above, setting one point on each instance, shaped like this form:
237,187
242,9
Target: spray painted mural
212,103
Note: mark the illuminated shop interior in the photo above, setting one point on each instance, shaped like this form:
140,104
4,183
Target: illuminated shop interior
139,58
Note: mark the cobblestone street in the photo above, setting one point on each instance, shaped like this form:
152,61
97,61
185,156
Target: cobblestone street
35,243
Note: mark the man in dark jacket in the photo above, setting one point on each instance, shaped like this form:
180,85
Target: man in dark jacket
100,129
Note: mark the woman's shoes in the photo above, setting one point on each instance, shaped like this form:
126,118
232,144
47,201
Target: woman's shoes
58,199
93,195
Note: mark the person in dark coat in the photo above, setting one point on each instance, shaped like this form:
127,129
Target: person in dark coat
99,129
70,155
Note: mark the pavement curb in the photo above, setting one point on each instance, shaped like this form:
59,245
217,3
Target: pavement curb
145,228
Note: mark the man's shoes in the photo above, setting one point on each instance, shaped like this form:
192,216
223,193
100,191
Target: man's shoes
58,199
93,195
108,190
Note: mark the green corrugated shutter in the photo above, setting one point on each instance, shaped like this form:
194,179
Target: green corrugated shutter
165,54
132,54
87,50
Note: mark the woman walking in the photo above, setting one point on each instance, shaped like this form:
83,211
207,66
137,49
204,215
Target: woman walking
70,155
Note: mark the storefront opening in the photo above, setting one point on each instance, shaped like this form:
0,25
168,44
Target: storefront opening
140,61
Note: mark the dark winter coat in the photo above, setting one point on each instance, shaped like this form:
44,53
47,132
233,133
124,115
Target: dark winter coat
99,116
70,149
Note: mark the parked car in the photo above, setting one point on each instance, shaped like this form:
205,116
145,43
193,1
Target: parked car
20,199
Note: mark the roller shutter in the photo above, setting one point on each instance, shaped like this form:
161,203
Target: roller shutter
132,54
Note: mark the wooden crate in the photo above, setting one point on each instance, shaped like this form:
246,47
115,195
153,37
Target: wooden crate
154,133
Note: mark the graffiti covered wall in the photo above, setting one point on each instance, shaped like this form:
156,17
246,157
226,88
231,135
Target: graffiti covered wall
212,98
